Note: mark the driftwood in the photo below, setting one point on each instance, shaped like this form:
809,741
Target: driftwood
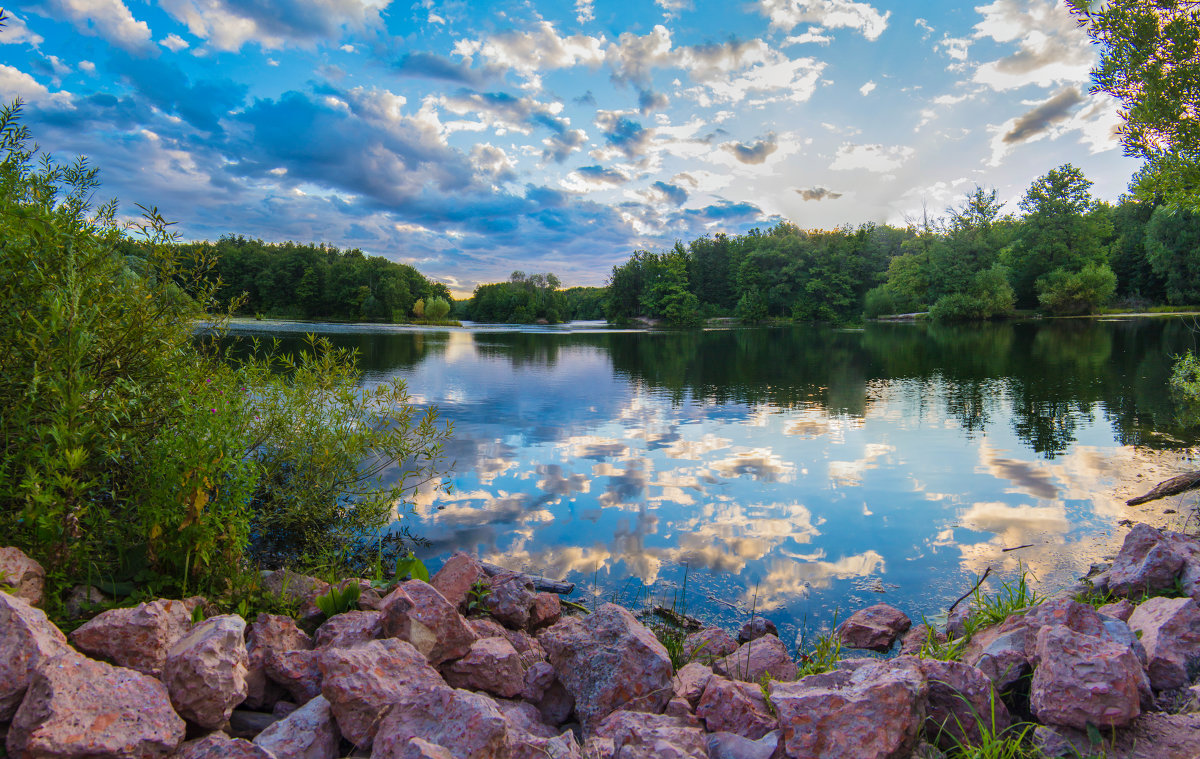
986,572
1173,486
541,584
1017,548
681,621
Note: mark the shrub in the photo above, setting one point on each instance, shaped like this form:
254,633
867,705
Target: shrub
1064,293
437,308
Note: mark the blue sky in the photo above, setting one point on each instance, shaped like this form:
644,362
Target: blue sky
471,139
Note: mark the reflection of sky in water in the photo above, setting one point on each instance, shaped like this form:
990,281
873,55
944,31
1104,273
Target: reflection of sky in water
574,467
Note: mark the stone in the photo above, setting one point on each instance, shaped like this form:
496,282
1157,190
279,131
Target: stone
756,628
1119,610
486,627
874,628
607,661
469,724
244,723
915,639
491,665
765,656
509,599
307,733
874,712
962,704
1004,661
708,645
268,635
557,705
418,748
524,717
690,682
735,707
362,683
81,600
537,679
137,638
545,611
680,709
1170,634
635,735
1083,678
349,629
417,613
282,709
530,738
221,746
731,746
1150,560
77,707
456,578
300,589
24,575
28,639
1051,744
205,671
298,672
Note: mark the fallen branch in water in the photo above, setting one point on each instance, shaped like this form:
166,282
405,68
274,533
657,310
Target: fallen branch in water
1173,486
1017,548
542,584
681,621
979,582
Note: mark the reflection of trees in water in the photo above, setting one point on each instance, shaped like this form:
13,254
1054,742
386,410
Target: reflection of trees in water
377,351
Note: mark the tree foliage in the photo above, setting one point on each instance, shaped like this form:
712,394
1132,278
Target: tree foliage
523,299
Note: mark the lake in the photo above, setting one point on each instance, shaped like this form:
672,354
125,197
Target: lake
800,470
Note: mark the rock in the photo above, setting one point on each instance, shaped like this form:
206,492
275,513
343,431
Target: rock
1150,560
283,708
756,628
608,661
300,589
680,709
417,748
362,683
875,628
220,746
486,627
537,679
960,699
491,665
1004,661
634,735
509,599
81,600
417,613
956,622
826,717
77,707
1083,678
545,611
690,682
244,723
456,578
525,718
915,639
307,733
1119,610
24,575
137,638
297,672
1170,633
1120,633
205,671
467,723
735,707
731,746
1051,744
268,635
557,704
708,645
764,656
28,639
349,629
527,646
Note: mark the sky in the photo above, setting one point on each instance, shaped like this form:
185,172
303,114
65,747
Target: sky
472,139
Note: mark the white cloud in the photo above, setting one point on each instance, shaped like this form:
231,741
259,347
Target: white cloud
833,14
109,19
87,67
585,11
1095,120
1051,48
228,24
813,34
877,158
15,83
866,89
16,32
672,7
954,48
540,49
174,43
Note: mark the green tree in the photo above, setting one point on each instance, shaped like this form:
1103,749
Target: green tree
1173,250
1064,293
437,309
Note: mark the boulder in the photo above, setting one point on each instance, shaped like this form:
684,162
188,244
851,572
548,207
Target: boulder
349,629
418,748
417,613
1170,633
1084,678
690,682
77,707
469,724
875,712
491,665
221,746
530,738
1151,560
362,683
536,680
301,590
545,611
28,639
205,671
634,735
608,661
298,672
962,704
486,627
137,638
914,639
731,746
456,578
557,704
81,600
1004,661
708,645
680,709
735,707
1119,610
765,656
24,575
875,628
244,723
268,635
307,733
756,628
510,598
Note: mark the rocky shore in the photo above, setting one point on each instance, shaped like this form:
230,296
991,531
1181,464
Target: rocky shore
410,675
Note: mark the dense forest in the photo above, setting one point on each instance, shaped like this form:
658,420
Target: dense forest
531,299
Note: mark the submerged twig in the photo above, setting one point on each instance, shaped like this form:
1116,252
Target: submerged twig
979,582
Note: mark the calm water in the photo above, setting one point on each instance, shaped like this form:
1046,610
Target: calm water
801,470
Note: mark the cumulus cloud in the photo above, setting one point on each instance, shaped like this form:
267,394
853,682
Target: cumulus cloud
814,34
623,134
1095,119
503,111
492,162
16,83
229,24
817,193
831,14
866,89
174,43
1055,110
754,152
878,158
558,146
530,52
433,66
17,31
108,19
1051,48
601,175
585,11
670,192
649,100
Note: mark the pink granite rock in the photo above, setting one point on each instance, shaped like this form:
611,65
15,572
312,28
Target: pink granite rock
418,748
417,613
1152,560
221,746
1120,610
24,575
874,628
509,600
690,682
915,639
267,636
730,746
557,704
735,707
27,640
363,683
765,656
1170,633
205,671
683,712
469,724
79,707
545,611
756,628
536,680
486,627
349,629
961,699
137,638
307,733
875,712
297,672
708,645
456,578
608,661
491,665
636,735
1083,678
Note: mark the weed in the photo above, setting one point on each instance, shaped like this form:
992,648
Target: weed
823,654
339,601
935,647
411,565
477,597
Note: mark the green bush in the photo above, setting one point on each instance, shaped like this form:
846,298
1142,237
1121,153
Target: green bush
990,295
437,308
1064,293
